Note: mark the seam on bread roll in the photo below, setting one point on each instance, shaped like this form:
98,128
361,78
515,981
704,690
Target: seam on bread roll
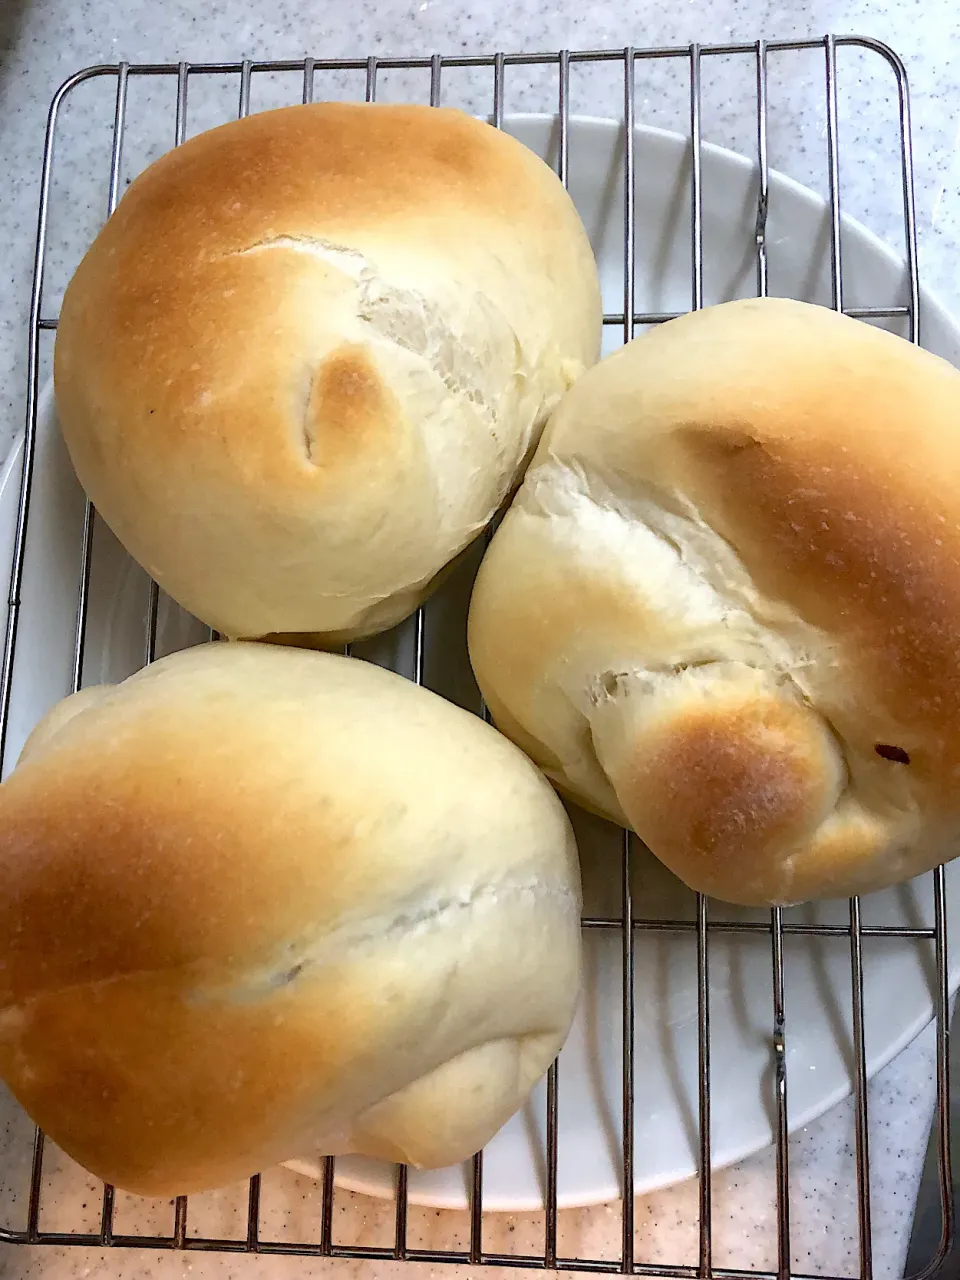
667,529
658,537
414,919
418,916
350,261
403,316
403,319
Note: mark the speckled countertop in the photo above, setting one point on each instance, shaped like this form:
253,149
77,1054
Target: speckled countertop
41,42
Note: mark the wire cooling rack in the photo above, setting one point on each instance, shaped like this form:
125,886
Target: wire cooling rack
685,67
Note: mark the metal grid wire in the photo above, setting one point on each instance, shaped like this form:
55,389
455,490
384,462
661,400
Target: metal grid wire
687,60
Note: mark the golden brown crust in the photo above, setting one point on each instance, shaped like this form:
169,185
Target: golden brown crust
234,923
861,552
761,487
347,407
718,790
303,363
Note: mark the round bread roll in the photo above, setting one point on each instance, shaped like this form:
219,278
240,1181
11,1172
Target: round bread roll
307,358
261,903
724,607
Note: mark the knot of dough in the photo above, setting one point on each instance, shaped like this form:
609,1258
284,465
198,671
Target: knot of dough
716,765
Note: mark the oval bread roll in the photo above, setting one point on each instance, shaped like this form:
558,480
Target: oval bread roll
724,608
306,359
261,903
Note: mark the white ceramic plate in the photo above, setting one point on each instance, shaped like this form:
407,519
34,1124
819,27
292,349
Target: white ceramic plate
899,974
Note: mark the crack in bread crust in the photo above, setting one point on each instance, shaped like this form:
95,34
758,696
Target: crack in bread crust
655,538
407,319
417,917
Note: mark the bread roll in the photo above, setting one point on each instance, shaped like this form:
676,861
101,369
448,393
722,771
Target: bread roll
724,607
306,359
260,903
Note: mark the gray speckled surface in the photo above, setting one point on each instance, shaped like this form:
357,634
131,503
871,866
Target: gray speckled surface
42,41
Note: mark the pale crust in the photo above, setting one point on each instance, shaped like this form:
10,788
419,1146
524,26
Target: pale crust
731,575
260,903
305,361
